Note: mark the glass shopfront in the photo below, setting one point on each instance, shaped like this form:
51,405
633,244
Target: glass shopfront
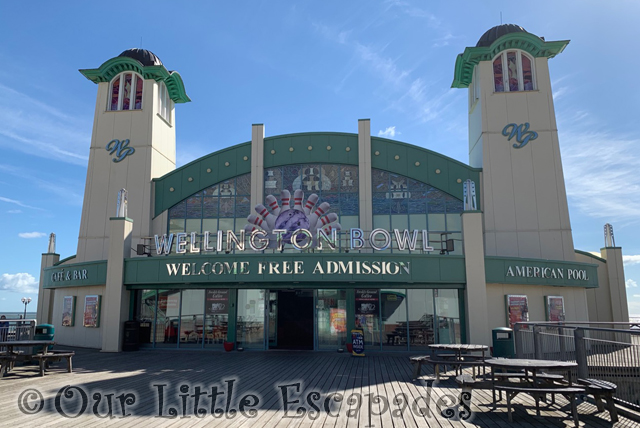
297,319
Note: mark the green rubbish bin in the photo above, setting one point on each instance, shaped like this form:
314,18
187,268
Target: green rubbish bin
503,342
44,332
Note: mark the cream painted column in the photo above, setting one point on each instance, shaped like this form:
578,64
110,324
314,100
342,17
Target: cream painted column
257,164
617,286
478,328
364,174
45,296
115,302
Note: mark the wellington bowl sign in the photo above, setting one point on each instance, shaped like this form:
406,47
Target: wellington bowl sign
303,226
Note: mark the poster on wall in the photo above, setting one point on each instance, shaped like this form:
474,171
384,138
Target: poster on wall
69,311
517,309
217,302
554,308
91,311
338,320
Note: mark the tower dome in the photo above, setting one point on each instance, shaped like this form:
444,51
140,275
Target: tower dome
143,56
493,34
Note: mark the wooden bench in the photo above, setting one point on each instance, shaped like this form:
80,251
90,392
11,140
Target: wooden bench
437,360
542,376
6,363
54,356
600,388
568,392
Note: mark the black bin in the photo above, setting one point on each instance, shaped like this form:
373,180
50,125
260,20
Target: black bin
131,337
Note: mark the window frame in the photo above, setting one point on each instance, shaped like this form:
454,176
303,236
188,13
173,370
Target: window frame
165,107
120,78
505,71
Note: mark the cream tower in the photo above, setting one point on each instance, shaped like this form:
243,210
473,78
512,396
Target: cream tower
513,137
133,141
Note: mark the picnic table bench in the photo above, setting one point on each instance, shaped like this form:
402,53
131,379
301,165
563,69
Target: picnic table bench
6,363
536,391
53,356
600,388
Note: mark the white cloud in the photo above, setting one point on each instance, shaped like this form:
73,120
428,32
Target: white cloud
409,95
14,212
601,173
388,133
31,235
631,260
18,114
630,283
18,203
19,283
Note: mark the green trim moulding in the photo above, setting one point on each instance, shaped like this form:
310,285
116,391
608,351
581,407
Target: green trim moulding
82,274
111,68
446,174
593,256
530,43
64,260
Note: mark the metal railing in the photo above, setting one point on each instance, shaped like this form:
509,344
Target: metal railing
605,351
13,330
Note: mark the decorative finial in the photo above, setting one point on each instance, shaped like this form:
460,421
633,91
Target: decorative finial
609,240
52,243
469,196
122,203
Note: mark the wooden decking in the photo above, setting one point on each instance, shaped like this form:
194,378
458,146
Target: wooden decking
263,374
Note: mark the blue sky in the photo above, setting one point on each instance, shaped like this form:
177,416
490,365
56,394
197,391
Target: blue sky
304,66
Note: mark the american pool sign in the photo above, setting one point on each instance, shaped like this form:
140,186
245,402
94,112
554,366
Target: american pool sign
547,272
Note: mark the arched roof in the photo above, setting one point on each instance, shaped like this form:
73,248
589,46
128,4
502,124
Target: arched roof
401,158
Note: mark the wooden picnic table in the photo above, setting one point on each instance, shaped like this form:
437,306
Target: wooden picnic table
460,349
537,387
10,344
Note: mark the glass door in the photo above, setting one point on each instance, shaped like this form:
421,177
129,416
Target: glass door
168,321
272,326
331,319
250,325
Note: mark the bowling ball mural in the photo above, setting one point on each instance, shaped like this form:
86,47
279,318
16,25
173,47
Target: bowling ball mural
292,214
292,220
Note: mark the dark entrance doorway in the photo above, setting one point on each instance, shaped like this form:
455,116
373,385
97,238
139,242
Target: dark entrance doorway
294,325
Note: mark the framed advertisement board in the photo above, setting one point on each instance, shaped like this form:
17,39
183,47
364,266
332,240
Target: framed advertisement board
69,311
217,302
517,309
554,308
91,316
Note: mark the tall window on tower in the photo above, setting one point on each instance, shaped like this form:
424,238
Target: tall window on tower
165,104
126,92
513,71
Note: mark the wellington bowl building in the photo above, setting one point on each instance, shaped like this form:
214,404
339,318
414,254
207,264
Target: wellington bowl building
290,241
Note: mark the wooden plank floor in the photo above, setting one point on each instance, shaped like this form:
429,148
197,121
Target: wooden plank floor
323,390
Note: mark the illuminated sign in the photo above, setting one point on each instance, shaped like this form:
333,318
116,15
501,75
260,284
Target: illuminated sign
303,226
521,132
